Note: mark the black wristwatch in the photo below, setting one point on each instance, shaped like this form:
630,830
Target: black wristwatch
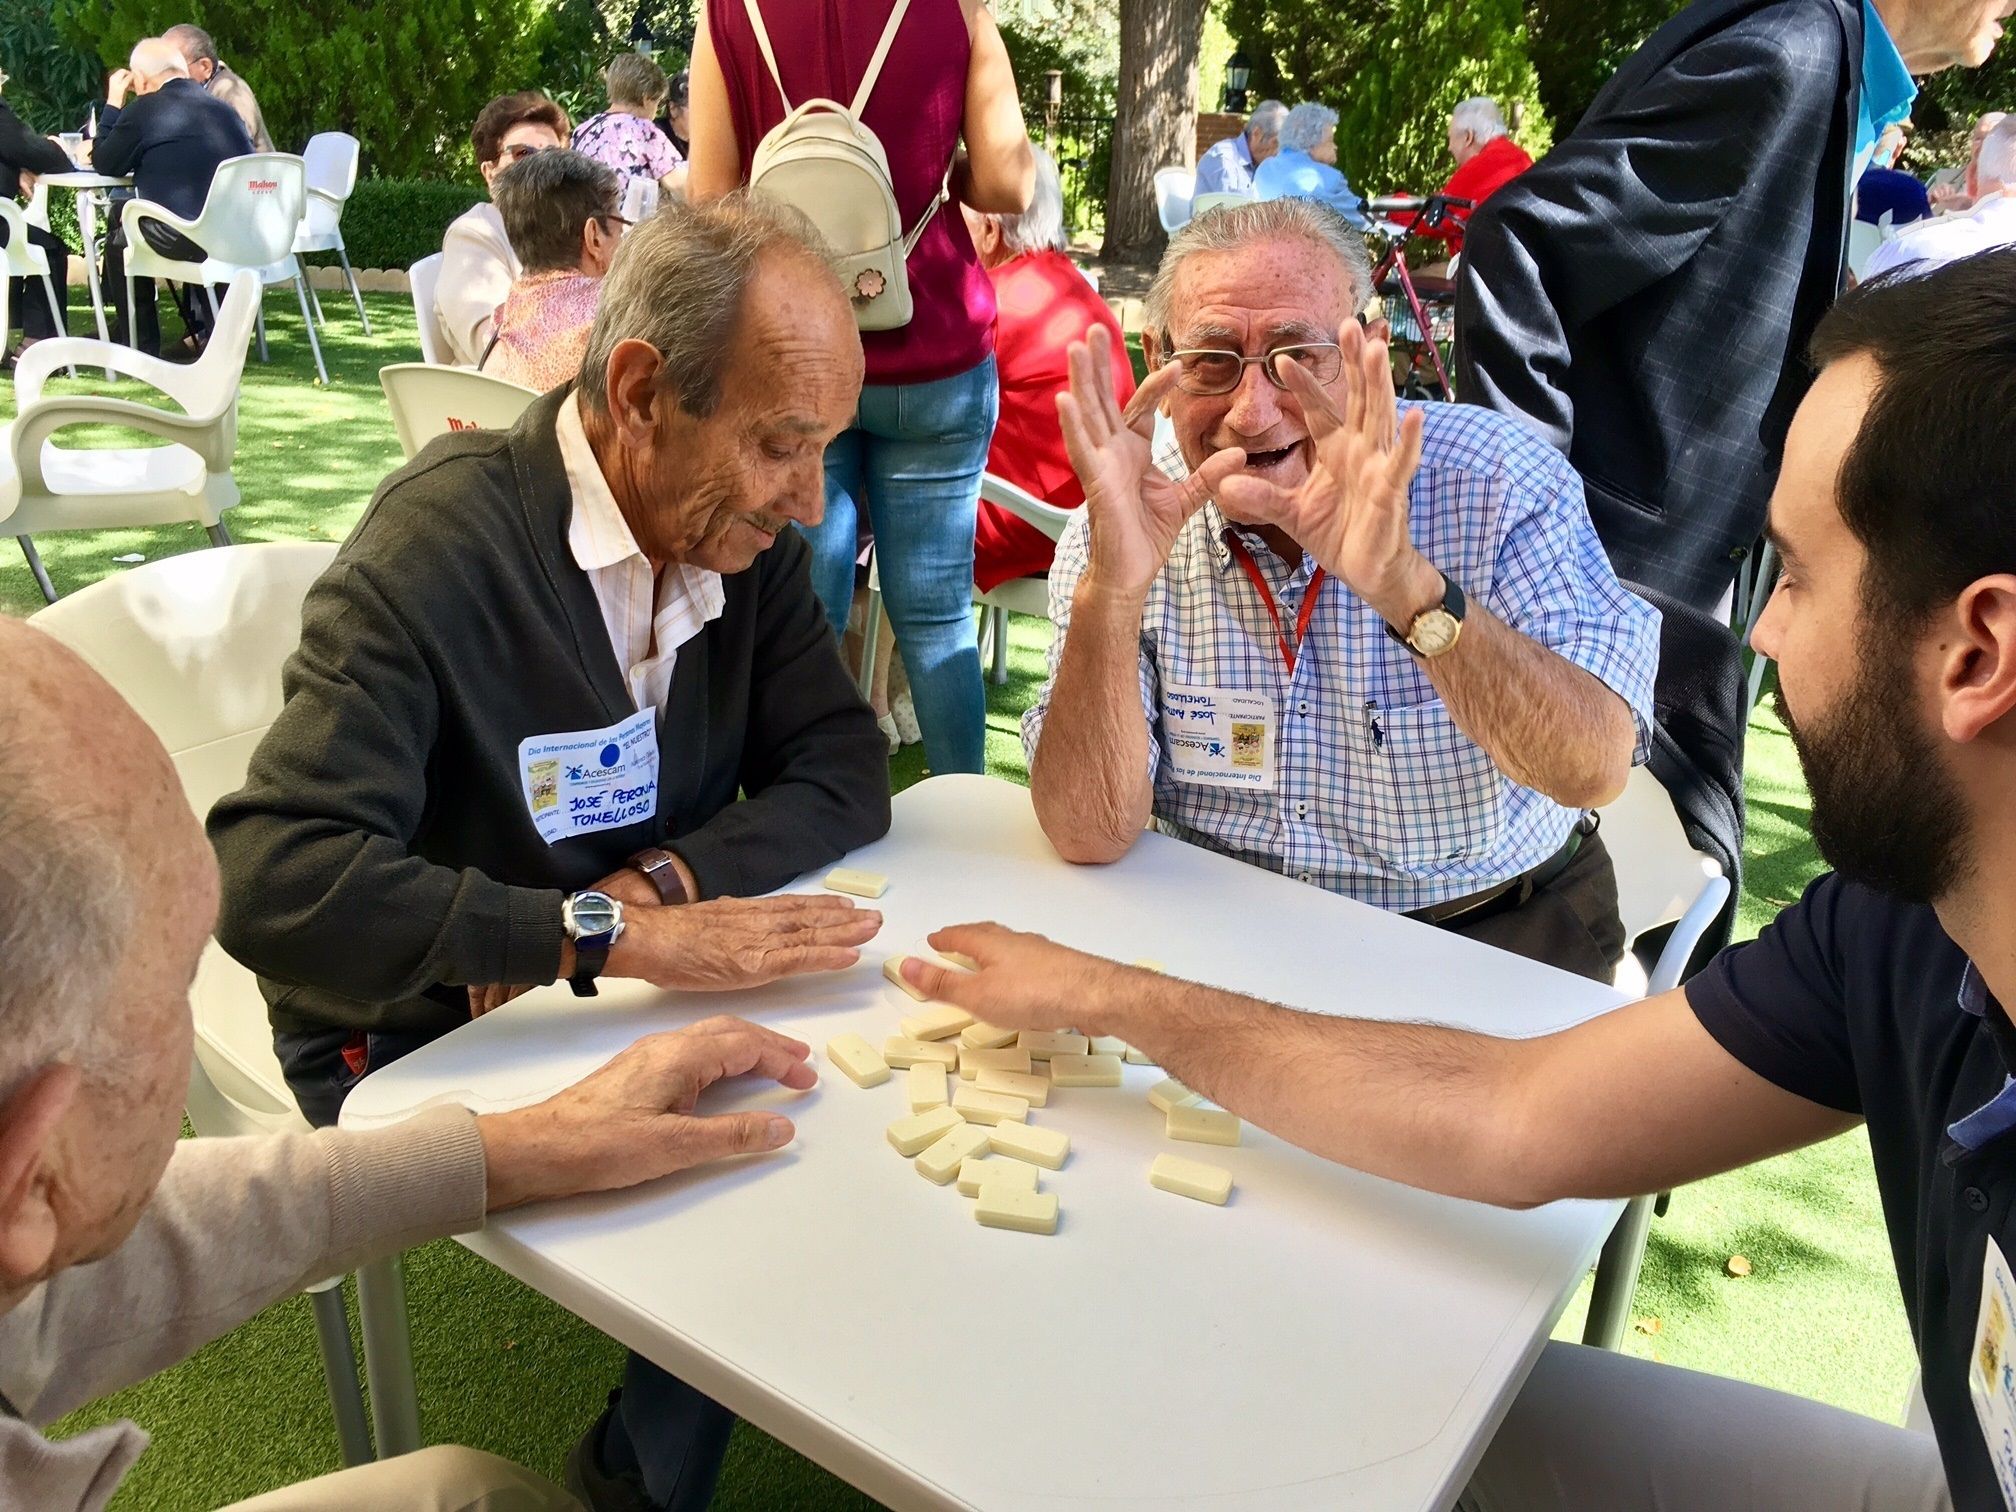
594,922
1435,629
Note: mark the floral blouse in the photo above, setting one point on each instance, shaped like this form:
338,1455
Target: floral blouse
632,147
542,329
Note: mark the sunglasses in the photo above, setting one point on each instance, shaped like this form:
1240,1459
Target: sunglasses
517,152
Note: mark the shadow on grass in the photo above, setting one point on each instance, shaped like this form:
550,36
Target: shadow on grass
1691,1271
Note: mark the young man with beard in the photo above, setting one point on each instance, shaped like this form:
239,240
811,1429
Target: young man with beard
1877,998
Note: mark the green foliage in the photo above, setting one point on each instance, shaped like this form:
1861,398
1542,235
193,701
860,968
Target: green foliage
1078,38
51,84
1578,44
1949,101
393,223
405,79
1393,70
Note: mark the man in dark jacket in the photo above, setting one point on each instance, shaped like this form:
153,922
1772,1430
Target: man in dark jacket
1644,295
529,691
170,140
23,156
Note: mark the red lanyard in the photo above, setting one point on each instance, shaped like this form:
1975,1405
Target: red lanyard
1252,570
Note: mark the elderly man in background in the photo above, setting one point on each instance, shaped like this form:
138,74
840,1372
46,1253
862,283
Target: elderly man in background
1487,159
199,51
1958,198
24,155
560,211
1227,167
1378,652
478,266
170,141
1045,303
1305,167
1928,244
106,902
533,685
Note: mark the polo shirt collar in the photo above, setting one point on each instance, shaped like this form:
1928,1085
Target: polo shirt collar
597,534
1996,1117
1213,521
1887,87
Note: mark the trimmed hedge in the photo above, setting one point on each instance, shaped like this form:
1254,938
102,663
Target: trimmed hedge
393,223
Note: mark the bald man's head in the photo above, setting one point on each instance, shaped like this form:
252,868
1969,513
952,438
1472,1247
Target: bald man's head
154,62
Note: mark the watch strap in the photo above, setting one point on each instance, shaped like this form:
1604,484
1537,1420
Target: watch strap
661,869
1454,604
588,963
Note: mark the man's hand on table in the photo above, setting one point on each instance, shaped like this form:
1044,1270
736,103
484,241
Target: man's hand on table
633,1121
1025,981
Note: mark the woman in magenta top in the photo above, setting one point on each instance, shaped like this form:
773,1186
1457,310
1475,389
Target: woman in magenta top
914,457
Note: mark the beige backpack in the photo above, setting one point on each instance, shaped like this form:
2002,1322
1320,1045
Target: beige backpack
821,160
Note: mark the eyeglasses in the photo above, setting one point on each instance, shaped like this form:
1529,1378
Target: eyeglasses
621,223
519,151
1206,372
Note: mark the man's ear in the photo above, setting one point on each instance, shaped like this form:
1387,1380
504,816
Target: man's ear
1978,671
28,1122
636,399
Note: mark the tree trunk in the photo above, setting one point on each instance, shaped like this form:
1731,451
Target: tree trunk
1156,125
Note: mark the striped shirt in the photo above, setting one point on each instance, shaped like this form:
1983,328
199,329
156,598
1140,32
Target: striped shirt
649,615
1377,794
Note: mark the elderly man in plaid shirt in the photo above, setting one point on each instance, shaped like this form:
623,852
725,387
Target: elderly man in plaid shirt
1374,647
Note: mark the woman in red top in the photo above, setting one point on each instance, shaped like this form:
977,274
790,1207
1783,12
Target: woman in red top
1486,161
1046,302
914,456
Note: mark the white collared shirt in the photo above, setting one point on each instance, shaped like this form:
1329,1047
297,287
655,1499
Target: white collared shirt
1946,238
649,616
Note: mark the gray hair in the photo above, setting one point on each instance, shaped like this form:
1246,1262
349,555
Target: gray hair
544,201
194,43
633,79
1997,159
1236,226
1305,124
678,282
1479,116
1040,228
66,912
1265,122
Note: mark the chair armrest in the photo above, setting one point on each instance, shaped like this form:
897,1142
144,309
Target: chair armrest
1687,933
135,210
338,200
1025,506
213,439
33,367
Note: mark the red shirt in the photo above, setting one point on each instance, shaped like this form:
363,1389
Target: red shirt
1497,163
1045,304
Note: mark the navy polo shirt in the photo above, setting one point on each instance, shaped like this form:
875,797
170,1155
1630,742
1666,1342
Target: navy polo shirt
1863,1004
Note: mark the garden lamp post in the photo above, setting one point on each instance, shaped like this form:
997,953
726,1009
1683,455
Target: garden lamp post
1237,72
1053,102
640,33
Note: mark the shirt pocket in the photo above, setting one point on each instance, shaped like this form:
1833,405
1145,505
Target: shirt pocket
1434,797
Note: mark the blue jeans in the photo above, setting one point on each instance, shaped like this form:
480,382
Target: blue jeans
913,461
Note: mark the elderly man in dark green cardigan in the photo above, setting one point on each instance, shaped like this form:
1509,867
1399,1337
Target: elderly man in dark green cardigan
530,691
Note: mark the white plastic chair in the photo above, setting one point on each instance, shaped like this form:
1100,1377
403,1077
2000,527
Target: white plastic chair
1024,595
1661,879
1216,201
195,644
21,258
1174,188
331,159
422,278
249,221
45,487
429,401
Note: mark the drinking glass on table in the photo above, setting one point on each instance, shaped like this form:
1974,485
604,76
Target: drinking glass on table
72,143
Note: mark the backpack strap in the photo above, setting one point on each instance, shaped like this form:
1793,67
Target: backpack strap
755,14
916,232
875,63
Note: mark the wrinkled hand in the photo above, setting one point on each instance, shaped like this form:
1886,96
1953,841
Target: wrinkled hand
1135,511
733,943
1026,981
633,1119
118,84
28,183
1350,512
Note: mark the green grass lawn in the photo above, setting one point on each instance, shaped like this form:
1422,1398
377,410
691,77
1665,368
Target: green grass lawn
502,1368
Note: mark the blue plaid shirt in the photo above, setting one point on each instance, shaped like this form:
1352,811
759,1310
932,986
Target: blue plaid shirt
1377,794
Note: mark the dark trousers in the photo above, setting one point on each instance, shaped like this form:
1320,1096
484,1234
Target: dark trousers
30,301
144,321
1571,922
663,1430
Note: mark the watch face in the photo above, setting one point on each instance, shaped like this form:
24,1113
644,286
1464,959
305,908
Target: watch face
1434,632
591,913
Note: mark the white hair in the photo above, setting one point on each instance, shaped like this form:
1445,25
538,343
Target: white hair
1305,124
157,55
1479,116
1235,226
678,282
1997,160
1040,228
1265,122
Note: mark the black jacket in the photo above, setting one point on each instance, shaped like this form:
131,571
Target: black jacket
171,142
382,854
23,151
1644,295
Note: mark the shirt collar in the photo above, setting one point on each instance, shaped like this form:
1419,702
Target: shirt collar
597,533
1887,87
1997,1117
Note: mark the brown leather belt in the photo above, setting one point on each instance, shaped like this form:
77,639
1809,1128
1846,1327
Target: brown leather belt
1512,893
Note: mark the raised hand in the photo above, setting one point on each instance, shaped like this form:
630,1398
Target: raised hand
1135,510
1350,512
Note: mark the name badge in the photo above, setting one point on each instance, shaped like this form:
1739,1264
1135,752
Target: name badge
581,781
1991,1373
1218,737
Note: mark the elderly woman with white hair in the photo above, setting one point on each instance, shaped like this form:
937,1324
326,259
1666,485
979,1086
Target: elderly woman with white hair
1046,302
1305,165
1487,159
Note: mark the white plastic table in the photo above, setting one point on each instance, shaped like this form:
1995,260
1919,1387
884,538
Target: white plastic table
1328,1340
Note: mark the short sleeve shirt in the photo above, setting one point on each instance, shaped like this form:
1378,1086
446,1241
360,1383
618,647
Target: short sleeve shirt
630,147
1863,1004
